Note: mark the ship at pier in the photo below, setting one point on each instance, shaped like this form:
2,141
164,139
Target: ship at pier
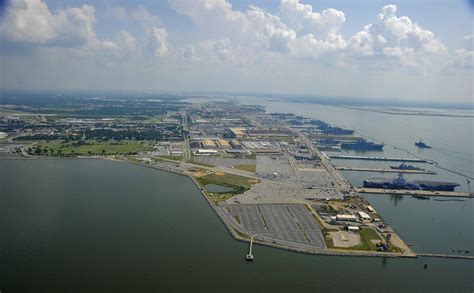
362,145
401,183
404,166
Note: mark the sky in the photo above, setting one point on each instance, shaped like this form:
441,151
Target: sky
389,50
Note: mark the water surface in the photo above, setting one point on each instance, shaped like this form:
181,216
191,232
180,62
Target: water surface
103,226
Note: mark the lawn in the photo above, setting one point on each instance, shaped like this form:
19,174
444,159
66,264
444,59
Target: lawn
248,168
92,147
239,184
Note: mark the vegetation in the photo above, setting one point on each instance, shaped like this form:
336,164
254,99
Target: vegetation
239,184
61,148
221,178
248,168
174,158
366,235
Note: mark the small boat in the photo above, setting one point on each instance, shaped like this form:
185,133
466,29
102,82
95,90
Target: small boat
422,145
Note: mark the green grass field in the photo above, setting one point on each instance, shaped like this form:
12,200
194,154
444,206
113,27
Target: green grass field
92,147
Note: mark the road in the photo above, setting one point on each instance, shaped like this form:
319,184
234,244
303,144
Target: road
186,146
325,162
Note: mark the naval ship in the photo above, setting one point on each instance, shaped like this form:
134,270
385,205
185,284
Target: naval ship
400,183
362,145
422,145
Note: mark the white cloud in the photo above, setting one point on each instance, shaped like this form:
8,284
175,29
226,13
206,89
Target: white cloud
301,17
209,51
394,36
158,41
126,41
31,21
464,59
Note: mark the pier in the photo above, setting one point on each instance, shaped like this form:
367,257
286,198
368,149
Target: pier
414,192
249,256
412,160
438,255
385,170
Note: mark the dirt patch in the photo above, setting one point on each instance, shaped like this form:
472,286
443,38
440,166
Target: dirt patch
344,239
219,173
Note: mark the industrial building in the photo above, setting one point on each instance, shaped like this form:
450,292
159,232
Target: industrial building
238,132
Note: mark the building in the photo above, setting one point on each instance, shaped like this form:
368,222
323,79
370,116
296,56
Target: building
364,216
202,152
346,218
352,228
236,144
238,132
223,144
208,144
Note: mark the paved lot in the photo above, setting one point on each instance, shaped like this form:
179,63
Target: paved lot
291,224
226,162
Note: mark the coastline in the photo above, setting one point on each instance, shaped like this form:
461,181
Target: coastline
235,232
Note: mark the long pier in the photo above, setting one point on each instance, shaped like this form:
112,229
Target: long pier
438,255
414,160
414,192
421,171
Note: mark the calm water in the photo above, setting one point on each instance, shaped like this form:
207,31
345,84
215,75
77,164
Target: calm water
102,226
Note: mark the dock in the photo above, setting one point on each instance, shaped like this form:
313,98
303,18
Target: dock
411,160
438,255
385,170
414,192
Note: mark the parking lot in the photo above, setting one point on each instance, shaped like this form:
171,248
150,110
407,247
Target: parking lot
290,224
226,162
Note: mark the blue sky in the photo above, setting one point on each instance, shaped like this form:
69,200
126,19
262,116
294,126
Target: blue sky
409,50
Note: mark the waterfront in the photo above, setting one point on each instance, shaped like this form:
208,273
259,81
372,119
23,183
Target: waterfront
95,225
431,226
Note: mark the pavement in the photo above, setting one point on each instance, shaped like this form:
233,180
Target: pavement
289,224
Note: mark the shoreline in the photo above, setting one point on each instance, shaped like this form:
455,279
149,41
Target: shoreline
234,232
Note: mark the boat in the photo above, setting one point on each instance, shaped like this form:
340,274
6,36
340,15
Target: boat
404,166
422,145
362,145
400,183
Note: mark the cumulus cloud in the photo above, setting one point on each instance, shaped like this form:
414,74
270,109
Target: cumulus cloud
266,32
209,51
464,59
158,41
31,21
301,17
300,31
393,36
126,41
